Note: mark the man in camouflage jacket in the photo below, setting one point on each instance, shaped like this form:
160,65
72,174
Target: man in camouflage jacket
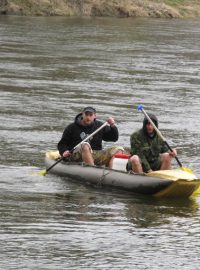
149,152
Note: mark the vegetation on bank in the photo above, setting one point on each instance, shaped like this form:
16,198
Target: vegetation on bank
115,8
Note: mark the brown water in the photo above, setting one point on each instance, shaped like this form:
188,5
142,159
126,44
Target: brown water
50,68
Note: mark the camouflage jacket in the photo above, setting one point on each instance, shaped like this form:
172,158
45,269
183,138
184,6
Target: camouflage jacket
148,149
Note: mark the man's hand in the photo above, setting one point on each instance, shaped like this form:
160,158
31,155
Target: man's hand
66,153
173,153
111,121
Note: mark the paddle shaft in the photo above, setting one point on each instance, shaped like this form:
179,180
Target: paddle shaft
71,151
160,134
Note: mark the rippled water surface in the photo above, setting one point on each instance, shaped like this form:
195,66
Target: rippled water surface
50,68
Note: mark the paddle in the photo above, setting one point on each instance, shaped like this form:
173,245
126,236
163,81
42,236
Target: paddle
44,172
140,108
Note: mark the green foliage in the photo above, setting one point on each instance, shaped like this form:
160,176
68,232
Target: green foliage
177,2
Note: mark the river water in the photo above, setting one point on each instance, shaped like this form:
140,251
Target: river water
50,68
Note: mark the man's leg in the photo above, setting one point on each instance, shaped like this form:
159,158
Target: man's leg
136,164
166,160
86,154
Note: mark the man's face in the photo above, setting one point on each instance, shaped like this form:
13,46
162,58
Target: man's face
149,128
88,118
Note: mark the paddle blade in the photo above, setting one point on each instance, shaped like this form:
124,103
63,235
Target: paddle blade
196,192
186,170
42,173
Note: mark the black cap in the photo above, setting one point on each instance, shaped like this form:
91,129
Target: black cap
89,109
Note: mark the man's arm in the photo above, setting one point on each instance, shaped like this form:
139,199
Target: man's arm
64,143
110,133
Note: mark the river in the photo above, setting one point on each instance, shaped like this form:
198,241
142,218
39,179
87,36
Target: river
50,68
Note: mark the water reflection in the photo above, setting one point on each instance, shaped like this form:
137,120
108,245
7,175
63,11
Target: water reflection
158,213
43,214
88,204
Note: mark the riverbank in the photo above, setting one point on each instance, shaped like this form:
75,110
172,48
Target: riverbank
103,8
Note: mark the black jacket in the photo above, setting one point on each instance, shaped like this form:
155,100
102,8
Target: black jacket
74,133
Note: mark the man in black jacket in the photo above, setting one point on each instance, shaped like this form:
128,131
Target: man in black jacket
91,151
